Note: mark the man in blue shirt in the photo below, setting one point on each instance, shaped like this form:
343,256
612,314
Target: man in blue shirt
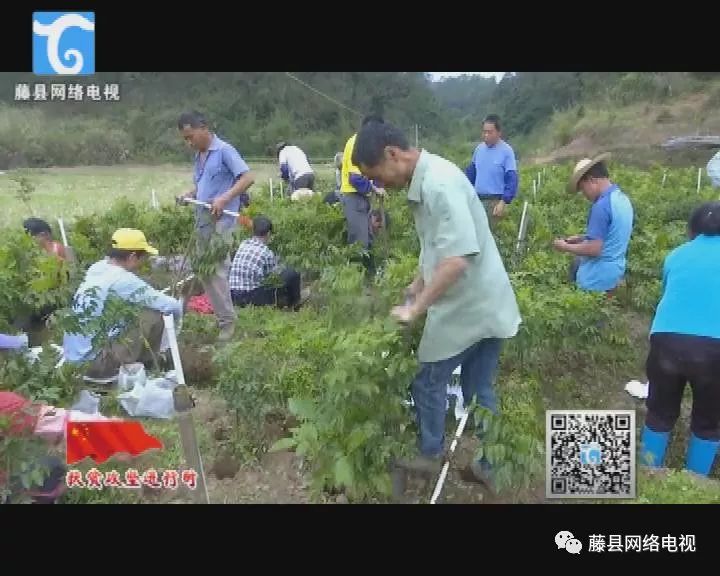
685,347
600,254
114,278
221,177
493,170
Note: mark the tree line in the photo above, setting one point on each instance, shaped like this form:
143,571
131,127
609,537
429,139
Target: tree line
318,110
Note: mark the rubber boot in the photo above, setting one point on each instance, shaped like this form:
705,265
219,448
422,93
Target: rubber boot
701,454
654,445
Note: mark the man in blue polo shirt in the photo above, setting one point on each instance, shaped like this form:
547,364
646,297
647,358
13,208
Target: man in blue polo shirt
221,177
493,170
600,254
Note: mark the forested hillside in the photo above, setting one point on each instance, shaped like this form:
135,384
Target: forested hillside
567,114
253,109
544,113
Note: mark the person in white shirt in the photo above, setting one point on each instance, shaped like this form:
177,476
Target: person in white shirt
294,167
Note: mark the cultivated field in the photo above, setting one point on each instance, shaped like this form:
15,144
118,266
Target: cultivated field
328,383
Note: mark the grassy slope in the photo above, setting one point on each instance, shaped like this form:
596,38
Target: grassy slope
634,130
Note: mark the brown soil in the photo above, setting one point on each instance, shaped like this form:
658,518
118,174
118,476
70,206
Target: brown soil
280,478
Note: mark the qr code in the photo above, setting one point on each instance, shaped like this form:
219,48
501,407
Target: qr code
590,454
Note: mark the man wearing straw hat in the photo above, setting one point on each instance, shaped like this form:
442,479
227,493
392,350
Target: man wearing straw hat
600,254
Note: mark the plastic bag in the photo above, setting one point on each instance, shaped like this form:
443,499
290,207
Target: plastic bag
129,375
51,423
87,403
152,398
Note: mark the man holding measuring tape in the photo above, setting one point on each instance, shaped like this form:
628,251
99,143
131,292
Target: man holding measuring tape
221,178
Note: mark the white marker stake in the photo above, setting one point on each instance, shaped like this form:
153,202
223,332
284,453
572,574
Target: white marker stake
446,467
534,190
521,231
282,194
699,180
271,190
187,432
62,232
664,178
154,200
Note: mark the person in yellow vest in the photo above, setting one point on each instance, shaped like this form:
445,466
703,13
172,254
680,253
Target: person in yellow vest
355,192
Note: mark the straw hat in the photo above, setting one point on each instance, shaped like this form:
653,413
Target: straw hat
581,168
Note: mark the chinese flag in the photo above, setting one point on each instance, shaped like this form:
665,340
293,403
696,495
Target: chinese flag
101,440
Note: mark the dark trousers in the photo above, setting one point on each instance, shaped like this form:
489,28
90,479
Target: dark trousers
51,487
429,390
141,343
288,294
304,181
357,217
673,361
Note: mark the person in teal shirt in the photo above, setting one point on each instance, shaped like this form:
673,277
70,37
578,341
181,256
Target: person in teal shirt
685,346
462,286
600,253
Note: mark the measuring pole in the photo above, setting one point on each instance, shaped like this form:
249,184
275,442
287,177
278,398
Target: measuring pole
183,407
522,229
534,190
282,194
446,467
209,206
699,180
62,232
271,190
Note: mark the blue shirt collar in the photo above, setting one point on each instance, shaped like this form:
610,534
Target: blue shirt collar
608,190
214,145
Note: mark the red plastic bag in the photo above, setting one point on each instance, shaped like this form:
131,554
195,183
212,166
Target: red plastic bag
200,304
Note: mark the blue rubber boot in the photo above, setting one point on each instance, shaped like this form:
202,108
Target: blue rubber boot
654,445
701,454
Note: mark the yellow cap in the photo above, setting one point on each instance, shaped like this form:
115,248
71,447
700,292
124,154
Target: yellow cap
131,239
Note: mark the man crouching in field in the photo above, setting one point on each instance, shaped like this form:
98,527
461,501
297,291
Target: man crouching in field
114,277
252,266
462,284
